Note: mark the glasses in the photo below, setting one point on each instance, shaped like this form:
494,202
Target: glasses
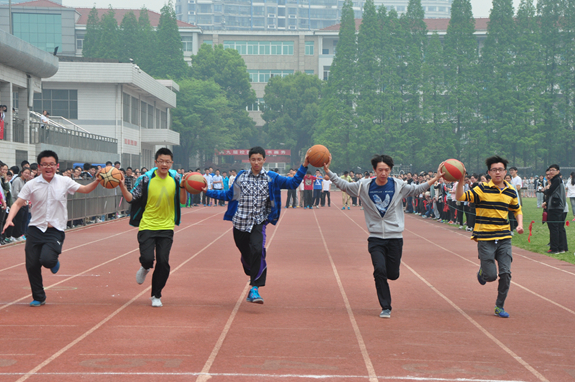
497,169
161,162
48,165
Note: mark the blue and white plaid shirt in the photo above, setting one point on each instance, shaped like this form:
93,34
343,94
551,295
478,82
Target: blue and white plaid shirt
254,203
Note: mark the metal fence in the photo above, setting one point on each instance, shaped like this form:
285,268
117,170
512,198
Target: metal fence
18,131
98,203
59,136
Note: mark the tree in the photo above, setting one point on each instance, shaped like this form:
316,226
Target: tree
461,64
200,118
169,54
109,46
498,89
228,69
291,110
336,126
148,43
92,38
130,38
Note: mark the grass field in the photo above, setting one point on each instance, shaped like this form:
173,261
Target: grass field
540,232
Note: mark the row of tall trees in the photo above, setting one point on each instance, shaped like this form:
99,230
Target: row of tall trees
214,94
395,88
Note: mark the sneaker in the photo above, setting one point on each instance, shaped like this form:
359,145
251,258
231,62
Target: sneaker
552,252
254,296
450,222
316,206
141,275
348,208
501,312
36,303
55,268
343,208
156,302
386,313
460,227
480,277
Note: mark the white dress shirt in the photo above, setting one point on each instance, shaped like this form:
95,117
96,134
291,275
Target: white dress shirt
49,201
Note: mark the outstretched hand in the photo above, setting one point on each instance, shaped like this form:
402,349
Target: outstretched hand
439,172
326,166
306,160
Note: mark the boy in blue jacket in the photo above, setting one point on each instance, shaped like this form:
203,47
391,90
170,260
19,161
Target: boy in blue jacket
254,201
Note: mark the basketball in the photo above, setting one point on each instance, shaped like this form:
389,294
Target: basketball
110,177
453,170
318,155
194,182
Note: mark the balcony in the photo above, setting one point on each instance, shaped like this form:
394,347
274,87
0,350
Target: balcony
160,137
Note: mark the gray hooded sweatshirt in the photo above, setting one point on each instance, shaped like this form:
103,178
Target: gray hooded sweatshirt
392,224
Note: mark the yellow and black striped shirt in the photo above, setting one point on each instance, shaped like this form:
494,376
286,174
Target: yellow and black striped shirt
492,206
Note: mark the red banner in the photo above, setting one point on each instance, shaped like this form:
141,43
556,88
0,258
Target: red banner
245,152
1,129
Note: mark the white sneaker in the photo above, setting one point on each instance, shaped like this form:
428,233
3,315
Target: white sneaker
141,275
156,302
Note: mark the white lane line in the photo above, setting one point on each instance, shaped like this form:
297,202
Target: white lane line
94,267
513,282
116,312
272,376
366,359
204,375
471,320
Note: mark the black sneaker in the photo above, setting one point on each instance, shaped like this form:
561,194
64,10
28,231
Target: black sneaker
480,277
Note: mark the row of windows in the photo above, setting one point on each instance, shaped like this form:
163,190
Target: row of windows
141,113
261,47
59,103
265,75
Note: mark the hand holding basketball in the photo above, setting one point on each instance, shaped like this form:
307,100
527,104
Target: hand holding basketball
452,170
110,177
194,182
317,155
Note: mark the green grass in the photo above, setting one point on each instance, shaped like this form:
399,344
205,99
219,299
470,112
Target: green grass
540,232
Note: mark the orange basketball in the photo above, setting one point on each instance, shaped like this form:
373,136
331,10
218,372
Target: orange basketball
318,155
110,177
194,182
453,170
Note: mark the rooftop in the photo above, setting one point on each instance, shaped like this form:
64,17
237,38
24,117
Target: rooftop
120,13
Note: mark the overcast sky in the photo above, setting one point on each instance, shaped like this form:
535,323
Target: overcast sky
480,7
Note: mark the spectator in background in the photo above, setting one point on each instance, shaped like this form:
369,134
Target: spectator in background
540,184
226,181
24,164
516,182
117,164
325,193
345,199
308,190
208,178
317,188
44,118
218,185
570,187
555,205
291,193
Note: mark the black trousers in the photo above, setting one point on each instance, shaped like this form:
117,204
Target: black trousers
291,194
471,215
557,234
386,258
42,250
325,195
159,242
252,247
308,196
316,197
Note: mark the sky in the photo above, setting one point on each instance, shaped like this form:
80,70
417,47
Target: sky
480,7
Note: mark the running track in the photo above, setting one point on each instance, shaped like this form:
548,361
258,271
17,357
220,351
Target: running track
320,317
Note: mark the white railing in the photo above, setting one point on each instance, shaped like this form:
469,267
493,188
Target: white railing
64,123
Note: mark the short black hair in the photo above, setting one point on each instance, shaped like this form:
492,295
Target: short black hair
34,166
47,154
345,172
257,150
382,158
15,169
128,168
513,168
555,166
117,162
108,163
24,163
163,151
87,166
495,159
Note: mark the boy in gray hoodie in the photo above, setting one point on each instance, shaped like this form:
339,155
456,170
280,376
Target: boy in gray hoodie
383,209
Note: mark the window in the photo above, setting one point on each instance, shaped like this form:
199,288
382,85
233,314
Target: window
309,72
400,8
143,113
60,103
204,19
259,22
187,43
264,48
259,11
44,31
292,11
326,72
209,42
431,9
158,116
150,117
205,8
441,9
263,76
281,23
325,51
135,112
80,41
309,48
164,120
126,107
281,11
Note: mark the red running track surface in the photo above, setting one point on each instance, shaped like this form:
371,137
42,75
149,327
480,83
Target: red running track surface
320,317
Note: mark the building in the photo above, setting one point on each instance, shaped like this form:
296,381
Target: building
284,15
22,68
116,100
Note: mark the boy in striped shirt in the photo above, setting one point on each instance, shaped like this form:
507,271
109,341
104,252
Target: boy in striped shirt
492,202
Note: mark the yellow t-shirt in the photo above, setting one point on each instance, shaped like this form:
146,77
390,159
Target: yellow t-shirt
160,209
